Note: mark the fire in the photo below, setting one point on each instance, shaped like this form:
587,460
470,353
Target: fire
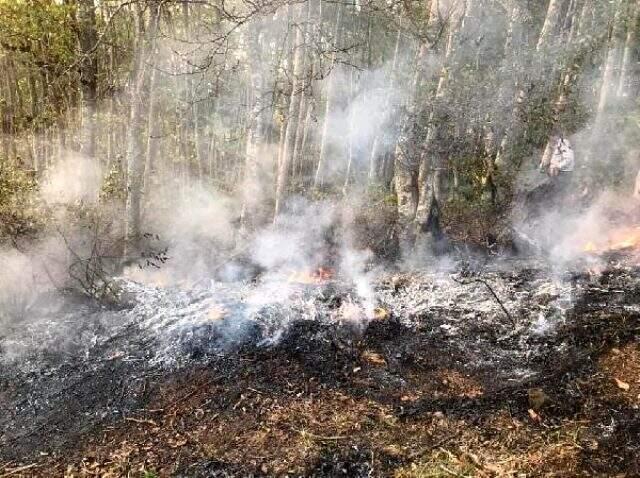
617,240
317,276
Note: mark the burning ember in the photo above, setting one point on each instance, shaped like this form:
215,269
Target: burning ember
318,276
616,240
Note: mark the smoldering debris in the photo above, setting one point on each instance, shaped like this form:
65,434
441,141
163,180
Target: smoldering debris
178,325
417,313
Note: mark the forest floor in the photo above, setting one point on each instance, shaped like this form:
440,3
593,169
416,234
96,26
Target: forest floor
421,391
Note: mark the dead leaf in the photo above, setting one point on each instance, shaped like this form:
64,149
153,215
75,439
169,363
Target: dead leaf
534,416
374,358
177,443
393,451
621,385
380,313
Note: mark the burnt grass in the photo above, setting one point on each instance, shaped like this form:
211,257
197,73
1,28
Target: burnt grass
330,400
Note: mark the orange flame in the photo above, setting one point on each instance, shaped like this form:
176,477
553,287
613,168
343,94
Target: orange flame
318,276
617,240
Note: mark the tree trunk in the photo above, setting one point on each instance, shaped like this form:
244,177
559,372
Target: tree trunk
255,124
351,133
153,122
612,61
36,129
433,161
504,161
551,22
374,158
292,121
499,141
406,156
135,140
304,165
320,170
88,76
631,44
569,78
305,85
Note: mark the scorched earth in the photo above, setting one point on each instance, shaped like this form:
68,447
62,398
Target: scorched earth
508,369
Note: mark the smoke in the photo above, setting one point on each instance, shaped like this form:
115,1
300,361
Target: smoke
364,104
74,179
199,182
38,274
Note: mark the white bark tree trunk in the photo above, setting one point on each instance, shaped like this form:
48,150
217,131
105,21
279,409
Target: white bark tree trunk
519,16
551,22
135,140
88,76
374,160
255,127
612,61
320,170
432,173
292,122
630,46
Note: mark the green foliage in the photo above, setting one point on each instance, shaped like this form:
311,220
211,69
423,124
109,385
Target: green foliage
25,24
114,186
19,214
38,39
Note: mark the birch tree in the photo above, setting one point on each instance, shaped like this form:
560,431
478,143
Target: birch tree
322,160
523,84
406,155
292,118
88,38
431,173
135,139
630,45
255,121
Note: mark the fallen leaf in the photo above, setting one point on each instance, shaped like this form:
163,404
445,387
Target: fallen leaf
621,385
393,451
374,358
177,443
380,313
534,416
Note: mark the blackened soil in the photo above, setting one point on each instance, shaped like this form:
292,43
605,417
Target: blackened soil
330,400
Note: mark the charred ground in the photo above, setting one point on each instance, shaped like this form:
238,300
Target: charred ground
425,390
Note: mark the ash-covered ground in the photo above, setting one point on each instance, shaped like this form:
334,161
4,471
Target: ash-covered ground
463,343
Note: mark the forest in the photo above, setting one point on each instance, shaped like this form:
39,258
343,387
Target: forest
319,238
432,109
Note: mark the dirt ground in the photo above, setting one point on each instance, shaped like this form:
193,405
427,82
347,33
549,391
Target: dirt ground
387,401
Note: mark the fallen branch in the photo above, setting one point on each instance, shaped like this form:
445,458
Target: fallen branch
19,470
493,293
139,420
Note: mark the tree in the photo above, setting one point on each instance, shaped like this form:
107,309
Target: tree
292,117
135,139
88,67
